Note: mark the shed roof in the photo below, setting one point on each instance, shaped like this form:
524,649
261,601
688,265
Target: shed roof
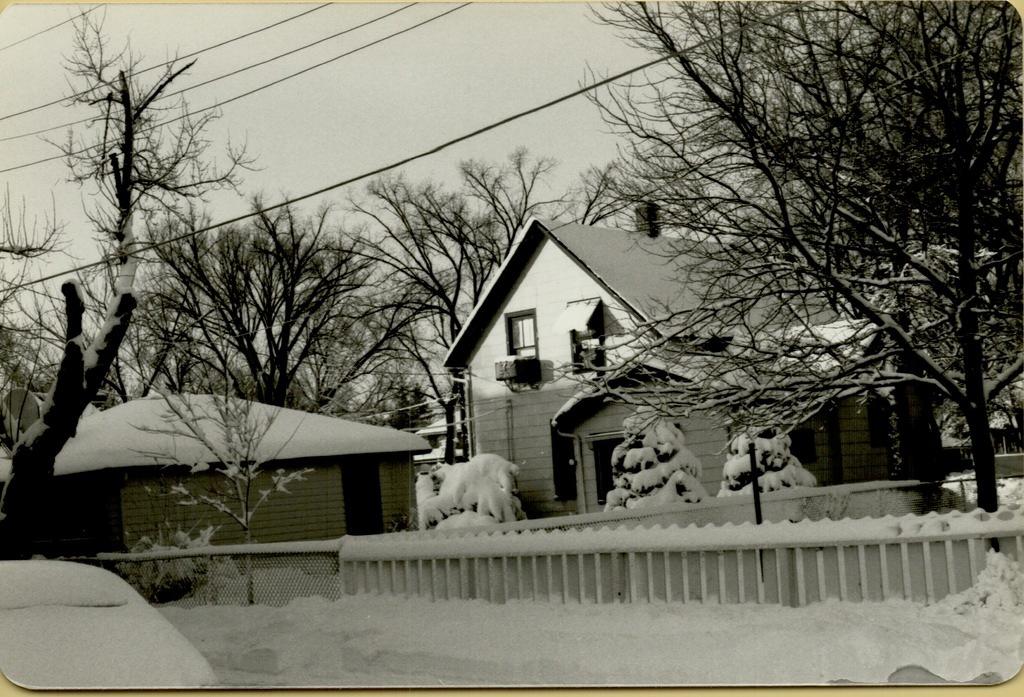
123,436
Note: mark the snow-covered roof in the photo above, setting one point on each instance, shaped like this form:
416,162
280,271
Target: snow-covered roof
643,273
435,428
118,437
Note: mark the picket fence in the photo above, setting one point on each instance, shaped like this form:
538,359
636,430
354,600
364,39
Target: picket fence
783,563
912,557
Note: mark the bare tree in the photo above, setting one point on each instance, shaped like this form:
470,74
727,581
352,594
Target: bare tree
844,183
139,166
287,309
228,433
21,241
441,246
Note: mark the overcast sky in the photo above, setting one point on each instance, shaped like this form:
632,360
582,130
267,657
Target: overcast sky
460,72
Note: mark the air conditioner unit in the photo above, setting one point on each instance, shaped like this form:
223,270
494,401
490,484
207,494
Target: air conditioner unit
522,371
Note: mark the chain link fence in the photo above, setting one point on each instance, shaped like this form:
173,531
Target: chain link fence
211,577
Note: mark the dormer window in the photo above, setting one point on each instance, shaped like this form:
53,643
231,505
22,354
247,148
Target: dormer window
521,328
583,320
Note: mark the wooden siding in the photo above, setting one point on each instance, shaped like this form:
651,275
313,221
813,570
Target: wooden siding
517,427
549,281
396,493
314,509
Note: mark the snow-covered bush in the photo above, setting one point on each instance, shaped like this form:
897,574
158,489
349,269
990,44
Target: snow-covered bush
481,491
652,465
167,580
777,468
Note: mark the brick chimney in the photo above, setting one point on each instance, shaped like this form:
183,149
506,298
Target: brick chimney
648,219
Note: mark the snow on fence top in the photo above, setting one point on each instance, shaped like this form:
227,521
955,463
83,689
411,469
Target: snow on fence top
330,546
1007,521
127,435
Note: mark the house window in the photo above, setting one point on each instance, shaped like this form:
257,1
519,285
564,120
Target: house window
587,350
878,421
522,334
801,445
584,322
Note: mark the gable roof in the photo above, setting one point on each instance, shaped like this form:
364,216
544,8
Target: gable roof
642,273
123,436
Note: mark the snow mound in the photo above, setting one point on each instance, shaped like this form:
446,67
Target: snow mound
1000,585
481,491
67,625
29,584
777,468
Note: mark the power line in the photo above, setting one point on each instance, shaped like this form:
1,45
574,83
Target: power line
43,31
385,168
168,62
251,92
430,151
223,76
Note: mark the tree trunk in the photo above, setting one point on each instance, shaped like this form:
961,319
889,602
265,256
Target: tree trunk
984,455
23,505
976,407
250,583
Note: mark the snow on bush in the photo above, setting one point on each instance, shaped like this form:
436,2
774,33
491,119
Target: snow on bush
481,491
777,468
1000,585
167,580
652,465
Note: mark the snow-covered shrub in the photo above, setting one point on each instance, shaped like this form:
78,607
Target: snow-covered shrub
1000,585
481,491
167,580
652,465
777,468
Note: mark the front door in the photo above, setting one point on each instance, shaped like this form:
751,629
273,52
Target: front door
360,482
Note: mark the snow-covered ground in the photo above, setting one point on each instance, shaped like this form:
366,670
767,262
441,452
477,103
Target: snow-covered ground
387,641
1009,489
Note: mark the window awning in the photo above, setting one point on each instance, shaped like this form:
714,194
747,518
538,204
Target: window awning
577,315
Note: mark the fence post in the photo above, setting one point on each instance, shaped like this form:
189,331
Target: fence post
755,486
342,575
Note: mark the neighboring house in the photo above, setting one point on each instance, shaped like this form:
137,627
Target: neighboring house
434,433
563,292
111,490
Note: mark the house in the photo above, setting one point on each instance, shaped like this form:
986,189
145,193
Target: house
561,293
115,479
434,433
